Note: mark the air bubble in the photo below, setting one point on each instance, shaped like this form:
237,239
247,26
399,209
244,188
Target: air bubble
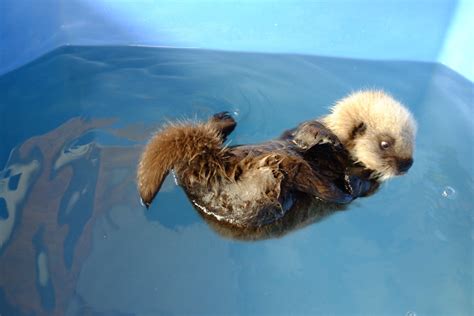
449,193
410,314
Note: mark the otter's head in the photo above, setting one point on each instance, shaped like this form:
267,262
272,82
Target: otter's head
378,132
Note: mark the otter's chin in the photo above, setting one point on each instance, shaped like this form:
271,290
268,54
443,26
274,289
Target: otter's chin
391,173
385,176
394,167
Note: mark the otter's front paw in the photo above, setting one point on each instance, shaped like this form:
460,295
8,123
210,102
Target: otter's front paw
224,122
324,136
314,133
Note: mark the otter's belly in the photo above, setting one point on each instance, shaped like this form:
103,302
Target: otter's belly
255,199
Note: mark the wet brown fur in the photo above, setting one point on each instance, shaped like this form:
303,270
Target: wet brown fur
202,164
198,145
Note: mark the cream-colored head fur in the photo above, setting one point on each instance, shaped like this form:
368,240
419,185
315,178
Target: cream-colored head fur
365,119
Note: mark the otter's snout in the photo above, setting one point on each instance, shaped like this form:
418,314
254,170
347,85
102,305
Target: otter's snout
404,164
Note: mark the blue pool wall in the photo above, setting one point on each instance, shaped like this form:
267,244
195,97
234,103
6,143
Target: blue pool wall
422,30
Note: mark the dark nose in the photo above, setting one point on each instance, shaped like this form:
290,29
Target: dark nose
404,164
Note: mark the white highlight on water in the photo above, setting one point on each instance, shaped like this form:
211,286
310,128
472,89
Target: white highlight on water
449,193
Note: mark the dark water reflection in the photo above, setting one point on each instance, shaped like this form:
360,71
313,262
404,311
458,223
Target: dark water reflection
74,239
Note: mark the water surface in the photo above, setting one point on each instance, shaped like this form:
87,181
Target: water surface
74,239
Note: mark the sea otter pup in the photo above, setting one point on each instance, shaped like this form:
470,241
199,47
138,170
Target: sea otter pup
322,164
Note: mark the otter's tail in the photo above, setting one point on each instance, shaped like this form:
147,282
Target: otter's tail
194,148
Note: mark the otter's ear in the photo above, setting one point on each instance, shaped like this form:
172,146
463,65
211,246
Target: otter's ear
358,130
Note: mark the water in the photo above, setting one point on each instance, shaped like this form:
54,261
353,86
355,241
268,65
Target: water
74,239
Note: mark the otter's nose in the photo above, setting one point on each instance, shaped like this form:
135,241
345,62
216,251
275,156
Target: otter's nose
404,164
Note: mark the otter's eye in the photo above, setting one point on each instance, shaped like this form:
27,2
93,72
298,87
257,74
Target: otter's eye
384,145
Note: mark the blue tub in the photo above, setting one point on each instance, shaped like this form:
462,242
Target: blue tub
432,31
83,85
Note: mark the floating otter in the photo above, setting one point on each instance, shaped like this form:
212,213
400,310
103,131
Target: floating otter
256,191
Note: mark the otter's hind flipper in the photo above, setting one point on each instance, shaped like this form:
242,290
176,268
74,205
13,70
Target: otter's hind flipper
224,123
174,147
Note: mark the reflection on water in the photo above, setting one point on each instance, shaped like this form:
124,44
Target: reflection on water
74,239
51,210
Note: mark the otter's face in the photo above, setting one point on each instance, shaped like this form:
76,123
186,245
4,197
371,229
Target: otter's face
387,151
377,130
